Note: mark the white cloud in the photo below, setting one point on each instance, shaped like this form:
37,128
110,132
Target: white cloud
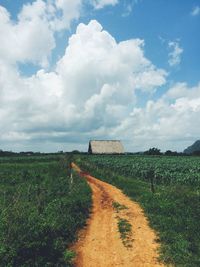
71,10
92,90
24,41
170,122
181,90
195,11
175,53
128,10
98,4
90,93
31,38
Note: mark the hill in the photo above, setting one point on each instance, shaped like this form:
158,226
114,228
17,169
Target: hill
193,148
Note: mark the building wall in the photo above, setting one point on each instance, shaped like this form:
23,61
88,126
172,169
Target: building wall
106,147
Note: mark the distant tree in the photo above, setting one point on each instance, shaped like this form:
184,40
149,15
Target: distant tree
7,153
153,151
75,152
26,153
171,153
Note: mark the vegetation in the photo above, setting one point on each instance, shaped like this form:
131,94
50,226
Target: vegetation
153,151
118,207
124,227
166,170
40,211
43,203
173,209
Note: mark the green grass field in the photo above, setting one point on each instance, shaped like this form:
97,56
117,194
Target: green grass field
173,209
41,211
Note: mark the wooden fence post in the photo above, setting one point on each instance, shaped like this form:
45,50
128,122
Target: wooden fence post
71,173
152,184
151,175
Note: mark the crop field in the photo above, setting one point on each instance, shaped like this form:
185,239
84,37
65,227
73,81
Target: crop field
41,211
168,188
166,170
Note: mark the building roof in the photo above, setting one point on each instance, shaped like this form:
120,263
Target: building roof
105,147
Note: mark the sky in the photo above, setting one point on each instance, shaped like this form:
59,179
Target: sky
76,70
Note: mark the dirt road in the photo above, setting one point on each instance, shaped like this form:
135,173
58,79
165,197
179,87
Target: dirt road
100,244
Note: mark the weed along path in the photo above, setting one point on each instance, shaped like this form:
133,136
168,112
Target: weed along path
117,232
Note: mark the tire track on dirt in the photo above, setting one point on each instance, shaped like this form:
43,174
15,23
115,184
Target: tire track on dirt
100,245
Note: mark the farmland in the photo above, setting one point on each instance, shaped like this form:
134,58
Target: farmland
41,211
167,170
174,207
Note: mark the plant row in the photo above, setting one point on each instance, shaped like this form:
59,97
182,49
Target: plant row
40,212
165,170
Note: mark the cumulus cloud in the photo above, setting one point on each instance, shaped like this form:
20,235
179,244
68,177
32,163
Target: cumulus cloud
70,10
31,38
170,122
175,53
195,11
20,42
91,91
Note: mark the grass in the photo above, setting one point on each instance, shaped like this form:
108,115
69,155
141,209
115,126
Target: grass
40,211
124,227
125,230
69,256
118,207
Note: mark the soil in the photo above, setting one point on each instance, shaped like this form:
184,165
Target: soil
100,244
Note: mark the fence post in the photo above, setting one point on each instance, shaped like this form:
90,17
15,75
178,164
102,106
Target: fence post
151,177
71,173
152,184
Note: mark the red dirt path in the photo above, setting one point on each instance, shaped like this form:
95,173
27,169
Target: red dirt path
100,245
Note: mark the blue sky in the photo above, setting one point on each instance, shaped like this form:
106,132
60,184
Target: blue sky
149,96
